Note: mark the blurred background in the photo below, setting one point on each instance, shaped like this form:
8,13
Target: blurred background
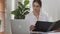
52,7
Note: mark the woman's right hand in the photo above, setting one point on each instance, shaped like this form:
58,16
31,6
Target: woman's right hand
32,27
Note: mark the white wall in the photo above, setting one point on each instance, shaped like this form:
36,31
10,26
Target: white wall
52,7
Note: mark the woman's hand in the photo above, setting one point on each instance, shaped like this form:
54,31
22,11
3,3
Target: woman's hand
57,30
32,27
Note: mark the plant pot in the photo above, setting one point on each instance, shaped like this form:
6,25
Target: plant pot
17,28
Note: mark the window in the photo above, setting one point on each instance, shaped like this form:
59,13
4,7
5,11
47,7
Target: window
12,8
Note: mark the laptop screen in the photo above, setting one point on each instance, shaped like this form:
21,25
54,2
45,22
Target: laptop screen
42,26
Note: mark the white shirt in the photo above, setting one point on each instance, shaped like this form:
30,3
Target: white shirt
31,19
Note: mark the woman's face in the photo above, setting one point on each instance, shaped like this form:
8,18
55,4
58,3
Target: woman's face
36,7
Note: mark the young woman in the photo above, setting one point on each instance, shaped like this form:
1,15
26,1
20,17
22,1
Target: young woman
36,14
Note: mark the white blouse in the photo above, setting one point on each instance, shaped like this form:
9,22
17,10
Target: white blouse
31,19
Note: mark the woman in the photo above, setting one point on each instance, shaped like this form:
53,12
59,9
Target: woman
36,15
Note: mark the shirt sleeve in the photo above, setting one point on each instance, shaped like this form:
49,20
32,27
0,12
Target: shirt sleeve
30,20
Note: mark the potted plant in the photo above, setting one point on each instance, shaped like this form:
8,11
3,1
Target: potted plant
19,14
21,10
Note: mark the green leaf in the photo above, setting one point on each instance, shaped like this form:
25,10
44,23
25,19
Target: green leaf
26,2
20,4
15,12
26,9
20,9
26,13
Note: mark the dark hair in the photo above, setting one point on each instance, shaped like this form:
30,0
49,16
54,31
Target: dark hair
38,1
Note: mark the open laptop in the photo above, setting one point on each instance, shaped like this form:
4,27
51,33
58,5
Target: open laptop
19,27
42,26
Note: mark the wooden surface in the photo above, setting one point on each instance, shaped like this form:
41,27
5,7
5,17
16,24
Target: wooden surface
4,33
1,32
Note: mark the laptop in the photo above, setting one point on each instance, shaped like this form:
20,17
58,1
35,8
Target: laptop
19,27
42,26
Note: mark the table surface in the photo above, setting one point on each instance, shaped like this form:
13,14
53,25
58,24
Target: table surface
7,33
